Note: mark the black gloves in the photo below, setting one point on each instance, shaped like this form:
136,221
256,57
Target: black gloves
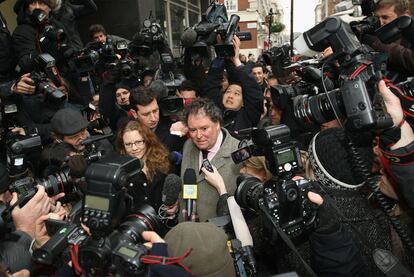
328,222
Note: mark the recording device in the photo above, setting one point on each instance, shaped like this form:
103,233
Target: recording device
45,70
201,36
171,189
171,105
278,58
54,184
280,198
311,83
115,222
207,165
189,192
169,196
148,39
403,25
62,235
91,152
357,99
18,147
243,235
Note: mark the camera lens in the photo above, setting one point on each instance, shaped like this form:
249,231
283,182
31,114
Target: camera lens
249,191
317,108
57,183
143,219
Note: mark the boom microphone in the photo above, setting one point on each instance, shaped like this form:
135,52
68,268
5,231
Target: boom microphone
189,37
242,231
171,189
189,191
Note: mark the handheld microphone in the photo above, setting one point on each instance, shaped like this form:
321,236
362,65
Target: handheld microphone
242,231
189,191
171,189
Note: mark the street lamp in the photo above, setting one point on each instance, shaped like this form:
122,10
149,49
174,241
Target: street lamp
269,20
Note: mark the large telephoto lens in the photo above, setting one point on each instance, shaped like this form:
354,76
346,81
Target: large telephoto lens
143,219
57,182
248,192
317,109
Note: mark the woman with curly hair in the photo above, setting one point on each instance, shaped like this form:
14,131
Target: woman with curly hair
137,140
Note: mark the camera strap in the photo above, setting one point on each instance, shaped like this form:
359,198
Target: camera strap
152,259
74,249
287,240
407,102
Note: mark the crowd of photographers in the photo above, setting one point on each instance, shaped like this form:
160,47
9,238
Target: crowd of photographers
120,160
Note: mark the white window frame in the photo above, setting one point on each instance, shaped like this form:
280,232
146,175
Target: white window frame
236,5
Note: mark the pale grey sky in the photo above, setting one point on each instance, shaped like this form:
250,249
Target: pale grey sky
304,14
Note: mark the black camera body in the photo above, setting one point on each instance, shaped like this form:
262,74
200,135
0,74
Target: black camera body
18,147
115,222
281,199
45,70
54,184
201,36
358,99
104,202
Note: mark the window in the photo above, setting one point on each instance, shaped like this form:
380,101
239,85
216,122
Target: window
231,5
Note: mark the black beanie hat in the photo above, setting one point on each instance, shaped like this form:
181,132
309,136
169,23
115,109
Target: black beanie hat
4,178
331,161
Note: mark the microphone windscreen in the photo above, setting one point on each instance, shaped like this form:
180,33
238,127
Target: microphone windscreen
239,223
190,176
171,189
159,88
189,37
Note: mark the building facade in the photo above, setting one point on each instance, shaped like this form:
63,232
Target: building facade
253,19
324,9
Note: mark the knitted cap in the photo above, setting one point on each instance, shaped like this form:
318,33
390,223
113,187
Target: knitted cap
210,256
331,160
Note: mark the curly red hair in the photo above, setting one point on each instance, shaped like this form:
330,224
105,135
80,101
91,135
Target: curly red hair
156,155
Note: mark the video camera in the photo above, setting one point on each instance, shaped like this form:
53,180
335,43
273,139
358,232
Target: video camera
201,36
357,99
115,223
45,70
281,199
148,39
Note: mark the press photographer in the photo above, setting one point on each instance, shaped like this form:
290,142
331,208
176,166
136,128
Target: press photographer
400,52
70,136
33,23
242,102
283,202
18,226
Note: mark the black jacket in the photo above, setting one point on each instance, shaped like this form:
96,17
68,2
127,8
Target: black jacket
249,115
7,61
144,191
172,142
26,43
34,113
69,14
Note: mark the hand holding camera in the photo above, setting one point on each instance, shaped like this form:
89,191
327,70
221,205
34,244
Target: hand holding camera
24,218
24,85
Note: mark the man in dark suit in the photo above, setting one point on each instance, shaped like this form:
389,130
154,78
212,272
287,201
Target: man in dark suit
148,112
